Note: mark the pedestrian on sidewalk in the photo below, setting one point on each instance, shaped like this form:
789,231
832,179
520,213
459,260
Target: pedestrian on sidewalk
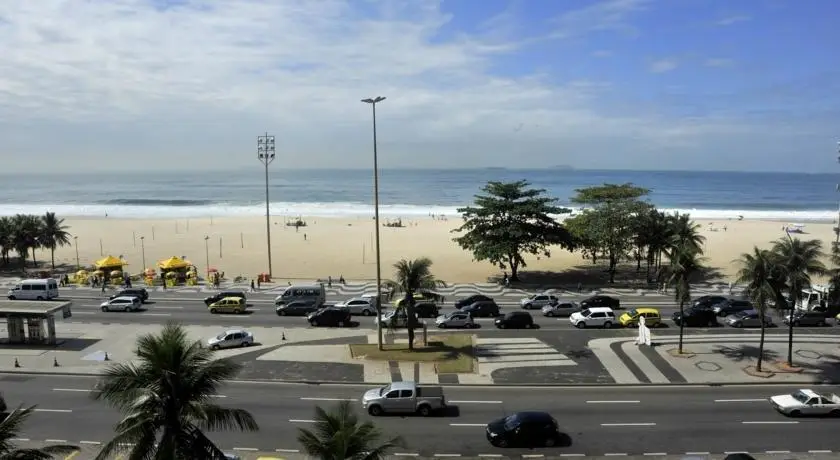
259,283
103,287
252,286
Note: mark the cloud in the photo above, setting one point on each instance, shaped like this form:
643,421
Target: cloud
190,84
730,20
663,65
718,62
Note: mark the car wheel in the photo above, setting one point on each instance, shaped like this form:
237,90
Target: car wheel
820,323
442,325
314,323
501,326
527,326
39,298
245,344
375,411
127,309
282,312
213,310
607,325
424,410
738,325
341,324
796,323
713,323
105,309
580,325
367,313
834,413
11,297
501,443
550,442
527,306
214,347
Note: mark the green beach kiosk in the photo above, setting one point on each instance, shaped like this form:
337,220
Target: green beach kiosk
32,322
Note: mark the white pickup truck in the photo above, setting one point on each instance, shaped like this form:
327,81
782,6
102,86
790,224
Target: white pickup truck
404,397
807,402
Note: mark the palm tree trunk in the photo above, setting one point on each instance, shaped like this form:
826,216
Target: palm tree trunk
760,345
682,326
410,325
34,261
790,337
52,257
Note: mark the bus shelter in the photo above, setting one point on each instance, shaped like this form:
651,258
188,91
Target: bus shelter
32,322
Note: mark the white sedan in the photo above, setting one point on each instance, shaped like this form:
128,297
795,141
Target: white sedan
457,319
230,339
807,402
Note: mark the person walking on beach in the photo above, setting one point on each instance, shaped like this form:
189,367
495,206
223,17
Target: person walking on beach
329,281
252,286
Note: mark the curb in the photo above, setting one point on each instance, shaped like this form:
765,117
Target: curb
470,385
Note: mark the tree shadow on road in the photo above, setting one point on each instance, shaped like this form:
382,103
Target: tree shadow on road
743,352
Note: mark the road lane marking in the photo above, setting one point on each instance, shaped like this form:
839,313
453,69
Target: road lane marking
475,402
78,390
533,456
772,422
739,400
698,453
288,451
63,411
330,399
613,402
490,455
447,455
819,451
218,396
168,308
777,452
57,440
614,455
573,455
297,420
246,449
655,454
77,312
92,443
156,314
629,424
20,439
404,454
467,424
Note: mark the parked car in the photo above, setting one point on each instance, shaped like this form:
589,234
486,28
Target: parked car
404,397
482,308
807,402
806,318
560,309
455,319
537,301
359,306
471,300
235,305
230,339
122,304
708,301
418,297
593,317
696,317
631,318
140,293
394,319
604,301
223,295
296,308
330,317
524,429
749,318
426,310
515,320
730,306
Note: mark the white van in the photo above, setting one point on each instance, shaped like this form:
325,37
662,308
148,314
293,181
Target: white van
42,289
314,293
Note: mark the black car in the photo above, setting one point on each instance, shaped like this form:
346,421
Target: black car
221,295
696,317
731,306
515,320
709,301
140,293
806,318
524,429
485,308
471,300
297,308
426,310
330,317
601,301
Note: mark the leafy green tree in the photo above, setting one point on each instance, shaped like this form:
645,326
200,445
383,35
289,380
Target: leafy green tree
684,232
339,435
53,234
799,261
25,232
610,219
760,273
410,277
685,261
509,221
10,427
166,399
578,227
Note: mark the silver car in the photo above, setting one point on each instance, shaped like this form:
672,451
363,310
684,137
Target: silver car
124,303
455,319
537,301
231,339
560,309
359,306
749,318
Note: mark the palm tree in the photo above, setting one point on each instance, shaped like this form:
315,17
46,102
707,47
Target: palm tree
684,232
25,232
761,275
411,276
53,234
10,427
338,435
798,260
166,399
685,262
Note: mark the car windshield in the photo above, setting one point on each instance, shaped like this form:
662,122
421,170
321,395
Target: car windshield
633,312
511,422
384,390
221,336
800,396
585,312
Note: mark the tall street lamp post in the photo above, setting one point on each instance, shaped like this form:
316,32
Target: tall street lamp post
265,153
373,102
76,244
143,251
207,255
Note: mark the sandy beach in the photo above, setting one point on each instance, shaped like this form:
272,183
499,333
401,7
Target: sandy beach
345,247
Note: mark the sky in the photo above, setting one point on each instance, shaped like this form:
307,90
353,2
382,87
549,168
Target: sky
123,85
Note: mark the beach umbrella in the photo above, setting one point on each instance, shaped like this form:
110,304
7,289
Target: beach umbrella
173,263
110,262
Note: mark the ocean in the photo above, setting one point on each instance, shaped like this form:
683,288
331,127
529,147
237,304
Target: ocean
403,193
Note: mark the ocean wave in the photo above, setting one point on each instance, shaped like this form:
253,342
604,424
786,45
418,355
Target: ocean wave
163,209
156,202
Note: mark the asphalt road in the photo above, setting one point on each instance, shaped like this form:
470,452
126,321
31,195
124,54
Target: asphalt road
189,308
599,421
